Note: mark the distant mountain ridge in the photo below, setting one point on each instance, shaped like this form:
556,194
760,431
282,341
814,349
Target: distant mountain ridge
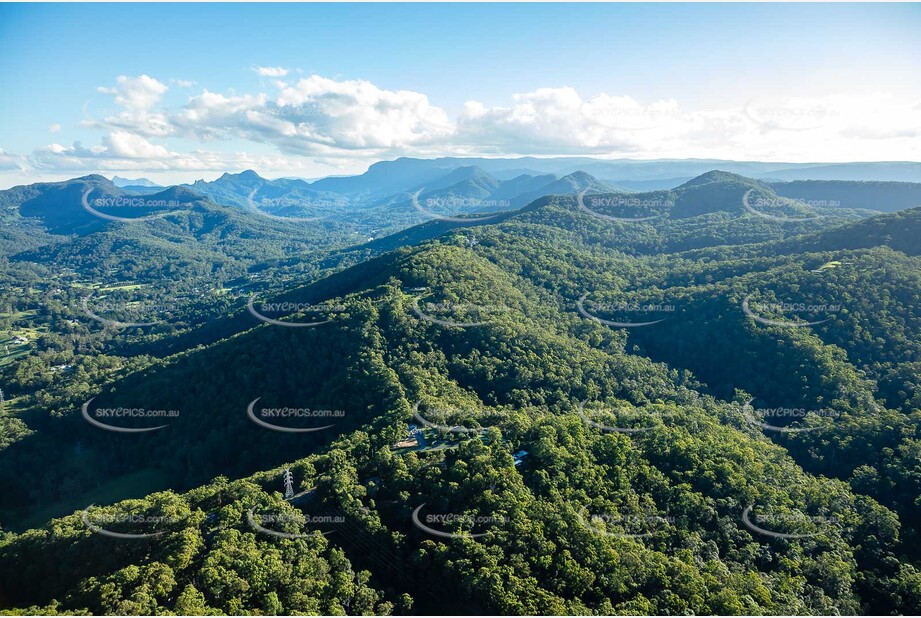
388,175
371,197
464,190
118,181
871,195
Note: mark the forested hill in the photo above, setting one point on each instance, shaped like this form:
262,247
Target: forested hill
620,407
878,196
580,497
899,230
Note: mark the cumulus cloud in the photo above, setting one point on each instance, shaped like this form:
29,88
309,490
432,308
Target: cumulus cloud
559,121
271,71
344,121
313,116
117,150
136,93
137,96
356,114
126,145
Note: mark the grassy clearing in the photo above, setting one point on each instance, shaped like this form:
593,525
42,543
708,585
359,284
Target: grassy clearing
10,347
133,485
93,285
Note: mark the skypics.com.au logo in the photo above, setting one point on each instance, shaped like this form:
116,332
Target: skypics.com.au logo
770,418
286,309
767,523
287,414
624,526
762,207
462,315
793,114
455,525
127,308
622,201
631,421
448,419
141,525
271,523
124,202
622,308
126,413
454,204
289,203
754,311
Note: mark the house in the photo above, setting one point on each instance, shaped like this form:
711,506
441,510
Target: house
406,443
519,457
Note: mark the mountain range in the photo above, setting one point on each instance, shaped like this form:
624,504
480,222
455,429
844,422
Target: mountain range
518,391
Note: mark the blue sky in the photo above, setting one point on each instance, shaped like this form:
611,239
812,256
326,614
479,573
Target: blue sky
176,92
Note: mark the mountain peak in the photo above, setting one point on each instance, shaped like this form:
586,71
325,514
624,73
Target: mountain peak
177,193
118,181
247,175
580,177
468,172
94,178
717,176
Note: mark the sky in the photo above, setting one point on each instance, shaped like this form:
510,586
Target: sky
177,92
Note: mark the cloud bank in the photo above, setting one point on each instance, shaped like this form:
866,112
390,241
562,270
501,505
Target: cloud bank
341,122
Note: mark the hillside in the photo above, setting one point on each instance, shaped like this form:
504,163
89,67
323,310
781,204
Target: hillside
574,472
877,196
594,377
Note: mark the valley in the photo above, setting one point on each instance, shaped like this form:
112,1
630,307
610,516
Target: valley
701,398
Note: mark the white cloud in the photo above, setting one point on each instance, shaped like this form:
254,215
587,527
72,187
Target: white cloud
182,83
54,128
836,127
314,116
271,71
122,144
118,150
137,96
356,114
9,161
124,152
559,121
136,93
346,122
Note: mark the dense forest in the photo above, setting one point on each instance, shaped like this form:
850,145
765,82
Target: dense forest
698,400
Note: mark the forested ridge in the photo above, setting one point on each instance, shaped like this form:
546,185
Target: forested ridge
591,405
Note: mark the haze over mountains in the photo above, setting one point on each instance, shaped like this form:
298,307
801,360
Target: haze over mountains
497,184
390,177
236,216
396,175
